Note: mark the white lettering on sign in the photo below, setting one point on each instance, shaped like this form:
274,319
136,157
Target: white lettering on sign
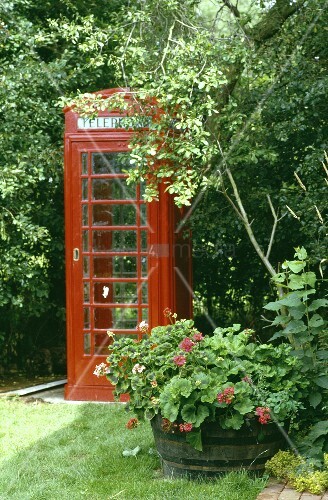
114,122
100,122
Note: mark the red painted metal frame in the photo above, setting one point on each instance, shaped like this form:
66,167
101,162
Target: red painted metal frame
169,255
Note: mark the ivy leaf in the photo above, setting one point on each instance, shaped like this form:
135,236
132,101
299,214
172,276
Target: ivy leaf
315,398
194,438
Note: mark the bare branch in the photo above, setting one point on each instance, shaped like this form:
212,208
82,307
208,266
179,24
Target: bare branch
247,225
274,227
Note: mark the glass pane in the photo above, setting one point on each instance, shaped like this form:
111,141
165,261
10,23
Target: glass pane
110,163
144,240
144,266
103,318
142,189
119,293
125,293
84,163
125,267
116,318
119,241
144,293
86,292
86,315
84,189
143,215
114,215
112,189
103,293
102,341
86,267
125,319
85,241
87,343
125,241
85,215
116,267
144,314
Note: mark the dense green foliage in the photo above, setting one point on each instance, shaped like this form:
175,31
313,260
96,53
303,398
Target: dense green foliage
243,95
246,85
37,66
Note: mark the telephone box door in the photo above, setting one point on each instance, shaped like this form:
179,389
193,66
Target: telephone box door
107,259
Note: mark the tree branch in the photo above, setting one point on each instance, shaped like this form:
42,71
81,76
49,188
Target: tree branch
247,225
232,8
272,21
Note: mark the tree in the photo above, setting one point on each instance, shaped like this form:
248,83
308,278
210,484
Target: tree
246,90
38,64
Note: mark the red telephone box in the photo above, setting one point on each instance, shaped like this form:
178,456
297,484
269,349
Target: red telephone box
126,260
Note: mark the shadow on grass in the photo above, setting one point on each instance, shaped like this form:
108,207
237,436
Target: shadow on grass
61,452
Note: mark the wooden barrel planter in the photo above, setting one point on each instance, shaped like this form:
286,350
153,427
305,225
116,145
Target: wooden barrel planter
223,450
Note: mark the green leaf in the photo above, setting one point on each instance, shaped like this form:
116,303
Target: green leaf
272,306
290,301
322,354
316,321
194,438
279,277
244,406
300,253
182,386
295,326
296,282
322,381
315,398
194,415
232,422
297,312
318,430
317,303
309,278
280,320
296,266
277,335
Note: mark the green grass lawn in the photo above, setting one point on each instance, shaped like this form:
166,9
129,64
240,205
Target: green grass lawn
60,451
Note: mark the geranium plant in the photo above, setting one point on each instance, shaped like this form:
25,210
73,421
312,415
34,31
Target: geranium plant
190,378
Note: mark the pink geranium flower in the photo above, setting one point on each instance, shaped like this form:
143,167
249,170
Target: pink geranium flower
179,360
187,344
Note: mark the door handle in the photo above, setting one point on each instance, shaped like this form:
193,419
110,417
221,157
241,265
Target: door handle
76,254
